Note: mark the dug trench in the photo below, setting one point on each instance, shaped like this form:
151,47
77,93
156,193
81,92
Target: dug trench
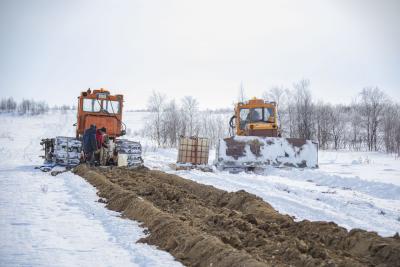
204,226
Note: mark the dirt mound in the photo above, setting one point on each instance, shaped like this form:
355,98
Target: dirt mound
204,226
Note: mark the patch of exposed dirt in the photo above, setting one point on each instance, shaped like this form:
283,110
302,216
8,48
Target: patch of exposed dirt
204,226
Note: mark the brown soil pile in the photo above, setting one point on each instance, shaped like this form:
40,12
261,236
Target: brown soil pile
204,226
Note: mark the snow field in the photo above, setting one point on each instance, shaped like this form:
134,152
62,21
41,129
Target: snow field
58,221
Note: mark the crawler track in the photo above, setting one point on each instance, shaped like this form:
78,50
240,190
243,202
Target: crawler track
204,226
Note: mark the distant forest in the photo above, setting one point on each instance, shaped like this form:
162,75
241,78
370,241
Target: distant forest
28,107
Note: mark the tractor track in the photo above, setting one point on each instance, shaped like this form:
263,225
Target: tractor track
204,226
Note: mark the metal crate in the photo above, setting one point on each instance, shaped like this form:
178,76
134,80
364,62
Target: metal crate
193,150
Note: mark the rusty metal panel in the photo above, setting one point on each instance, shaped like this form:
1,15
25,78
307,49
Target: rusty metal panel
262,132
110,123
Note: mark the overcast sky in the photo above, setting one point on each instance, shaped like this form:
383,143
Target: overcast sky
51,50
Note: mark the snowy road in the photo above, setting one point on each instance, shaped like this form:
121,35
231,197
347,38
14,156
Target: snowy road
57,221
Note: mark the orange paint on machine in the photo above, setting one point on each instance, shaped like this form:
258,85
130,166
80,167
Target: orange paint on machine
102,109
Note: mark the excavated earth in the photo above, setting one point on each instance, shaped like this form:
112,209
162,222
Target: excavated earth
204,226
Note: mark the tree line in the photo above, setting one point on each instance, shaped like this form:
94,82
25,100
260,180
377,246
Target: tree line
168,120
28,107
370,122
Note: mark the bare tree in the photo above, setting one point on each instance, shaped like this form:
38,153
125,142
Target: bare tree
372,103
391,127
8,105
304,109
277,95
337,125
214,126
323,114
356,131
289,124
241,96
171,124
155,105
190,110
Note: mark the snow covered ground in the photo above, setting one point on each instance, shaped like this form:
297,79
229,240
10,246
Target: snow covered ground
57,221
371,166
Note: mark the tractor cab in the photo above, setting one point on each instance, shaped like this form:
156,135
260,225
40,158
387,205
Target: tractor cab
256,117
101,108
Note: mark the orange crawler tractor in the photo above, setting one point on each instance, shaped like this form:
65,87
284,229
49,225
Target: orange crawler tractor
100,108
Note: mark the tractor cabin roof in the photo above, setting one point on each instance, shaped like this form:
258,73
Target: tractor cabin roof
256,103
100,94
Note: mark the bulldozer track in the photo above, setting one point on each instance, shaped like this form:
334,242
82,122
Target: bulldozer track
204,226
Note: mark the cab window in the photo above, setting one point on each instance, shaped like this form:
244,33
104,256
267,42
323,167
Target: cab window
91,105
111,106
256,114
268,115
244,115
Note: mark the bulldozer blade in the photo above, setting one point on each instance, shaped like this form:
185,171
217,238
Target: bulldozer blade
250,153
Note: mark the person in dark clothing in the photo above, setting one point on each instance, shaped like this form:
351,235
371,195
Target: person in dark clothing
89,143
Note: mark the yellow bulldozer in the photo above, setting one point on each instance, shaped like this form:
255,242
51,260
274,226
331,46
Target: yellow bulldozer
256,141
